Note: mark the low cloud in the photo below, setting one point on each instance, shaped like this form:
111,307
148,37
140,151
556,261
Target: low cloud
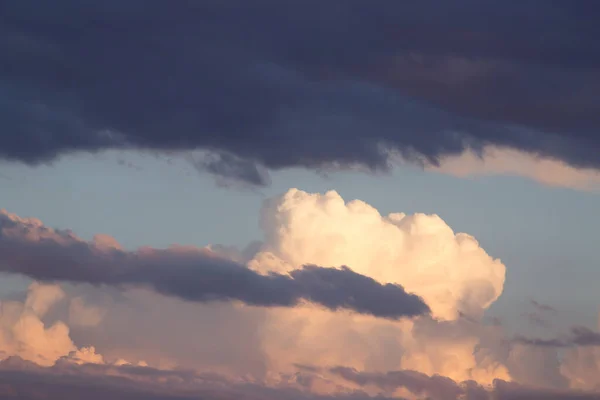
169,320
27,381
442,388
28,247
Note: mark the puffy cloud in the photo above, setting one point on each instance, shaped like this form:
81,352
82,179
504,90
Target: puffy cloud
41,297
27,247
24,334
451,272
285,84
86,355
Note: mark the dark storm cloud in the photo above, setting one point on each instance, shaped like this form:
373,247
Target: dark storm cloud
299,83
30,249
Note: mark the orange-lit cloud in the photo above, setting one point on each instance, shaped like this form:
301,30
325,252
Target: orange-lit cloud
24,334
450,271
512,162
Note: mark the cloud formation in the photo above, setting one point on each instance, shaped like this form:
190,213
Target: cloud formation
449,270
304,84
24,334
442,388
125,316
24,380
578,336
28,247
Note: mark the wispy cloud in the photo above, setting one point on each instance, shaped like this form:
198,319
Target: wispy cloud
578,336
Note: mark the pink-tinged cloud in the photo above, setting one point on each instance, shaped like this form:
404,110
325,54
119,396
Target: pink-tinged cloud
156,318
511,162
449,270
24,380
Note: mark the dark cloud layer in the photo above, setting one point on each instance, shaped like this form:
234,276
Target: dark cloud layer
299,83
24,380
29,248
442,388
437,387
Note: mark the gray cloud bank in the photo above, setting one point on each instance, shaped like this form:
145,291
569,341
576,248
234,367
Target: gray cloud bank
24,380
299,83
29,248
442,388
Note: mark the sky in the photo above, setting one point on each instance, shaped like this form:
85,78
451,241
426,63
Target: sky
300,200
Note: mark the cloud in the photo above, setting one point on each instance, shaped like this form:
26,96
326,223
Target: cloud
578,336
449,270
172,325
579,355
300,85
84,315
24,334
581,366
453,275
510,162
436,387
28,247
442,388
166,331
261,342
23,380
